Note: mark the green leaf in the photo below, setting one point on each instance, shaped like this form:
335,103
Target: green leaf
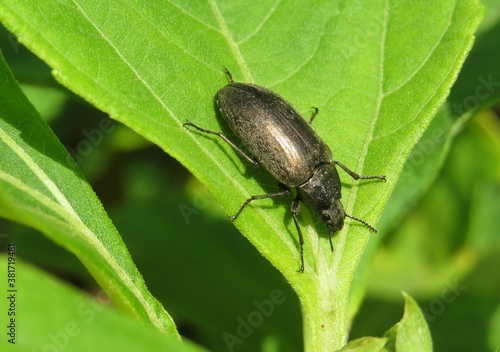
378,72
42,187
51,316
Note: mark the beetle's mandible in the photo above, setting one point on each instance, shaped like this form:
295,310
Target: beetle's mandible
284,143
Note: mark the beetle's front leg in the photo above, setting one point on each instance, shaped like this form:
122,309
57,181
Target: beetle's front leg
355,175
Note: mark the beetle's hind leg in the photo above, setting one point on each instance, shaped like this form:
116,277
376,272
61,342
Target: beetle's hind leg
237,149
355,175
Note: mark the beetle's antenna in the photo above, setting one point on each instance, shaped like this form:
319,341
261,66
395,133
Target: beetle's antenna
229,75
363,222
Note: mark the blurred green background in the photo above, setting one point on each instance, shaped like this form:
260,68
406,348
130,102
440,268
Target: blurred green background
445,251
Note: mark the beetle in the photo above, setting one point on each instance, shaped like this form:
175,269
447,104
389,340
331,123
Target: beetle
285,144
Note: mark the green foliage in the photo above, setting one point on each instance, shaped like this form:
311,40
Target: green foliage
42,187
378,72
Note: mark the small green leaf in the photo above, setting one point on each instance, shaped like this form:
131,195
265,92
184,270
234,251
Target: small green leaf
412,331
42,187
410,334
365,344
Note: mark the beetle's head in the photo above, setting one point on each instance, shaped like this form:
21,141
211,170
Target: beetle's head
334,216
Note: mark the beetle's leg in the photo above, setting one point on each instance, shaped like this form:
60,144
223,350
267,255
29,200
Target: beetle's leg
355,175
229,75
315,112
227,140
295,212
282,193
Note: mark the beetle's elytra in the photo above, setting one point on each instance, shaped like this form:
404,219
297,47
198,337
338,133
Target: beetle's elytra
283,143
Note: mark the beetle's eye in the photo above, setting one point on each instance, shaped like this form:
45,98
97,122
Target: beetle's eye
326,217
